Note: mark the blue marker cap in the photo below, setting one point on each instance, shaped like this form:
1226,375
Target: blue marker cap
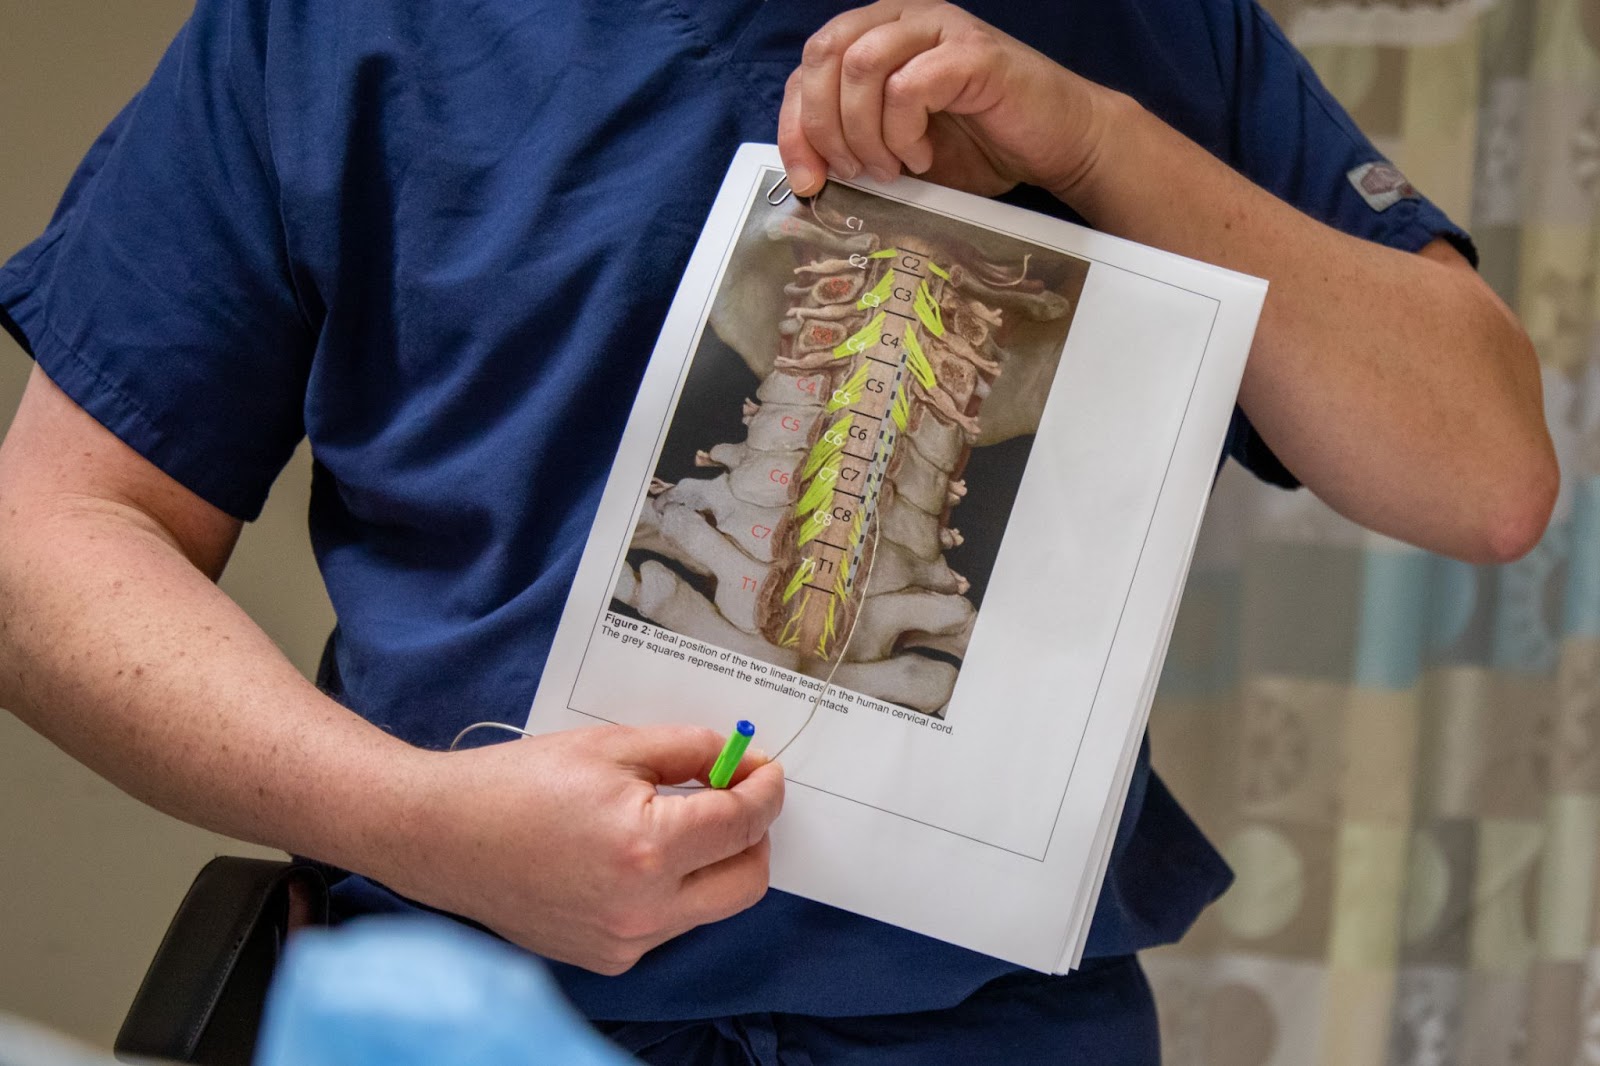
732,752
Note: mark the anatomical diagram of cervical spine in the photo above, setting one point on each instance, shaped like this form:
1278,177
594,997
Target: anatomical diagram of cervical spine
823,518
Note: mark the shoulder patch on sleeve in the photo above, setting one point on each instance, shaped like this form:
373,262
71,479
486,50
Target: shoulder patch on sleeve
1381,185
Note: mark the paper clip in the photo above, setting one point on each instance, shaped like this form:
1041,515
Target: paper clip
781,183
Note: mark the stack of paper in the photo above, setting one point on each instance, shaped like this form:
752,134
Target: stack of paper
953,456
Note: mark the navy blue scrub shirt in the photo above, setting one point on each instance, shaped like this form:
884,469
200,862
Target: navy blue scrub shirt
438,239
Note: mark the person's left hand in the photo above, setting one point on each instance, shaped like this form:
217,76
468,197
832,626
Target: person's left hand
927,86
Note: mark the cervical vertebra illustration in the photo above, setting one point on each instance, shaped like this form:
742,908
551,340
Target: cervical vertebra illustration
858,437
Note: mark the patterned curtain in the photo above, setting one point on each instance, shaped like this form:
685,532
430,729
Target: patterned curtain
1400,754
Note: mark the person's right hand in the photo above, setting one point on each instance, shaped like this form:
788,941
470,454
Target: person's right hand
562,844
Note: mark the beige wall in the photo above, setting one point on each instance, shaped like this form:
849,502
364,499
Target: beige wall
88,877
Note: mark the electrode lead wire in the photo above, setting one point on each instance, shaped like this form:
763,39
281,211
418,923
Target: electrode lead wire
827,682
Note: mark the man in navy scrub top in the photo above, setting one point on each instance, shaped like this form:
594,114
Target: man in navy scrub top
437,237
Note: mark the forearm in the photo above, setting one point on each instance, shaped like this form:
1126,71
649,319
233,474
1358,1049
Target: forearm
1396,386
1408,400
116,647
115,643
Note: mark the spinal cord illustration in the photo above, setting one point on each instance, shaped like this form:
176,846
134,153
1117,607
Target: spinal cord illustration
887,345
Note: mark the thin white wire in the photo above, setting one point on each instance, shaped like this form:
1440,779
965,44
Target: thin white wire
827,682
486,725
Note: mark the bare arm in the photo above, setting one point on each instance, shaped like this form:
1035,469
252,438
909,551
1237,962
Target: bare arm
1396,386
115,644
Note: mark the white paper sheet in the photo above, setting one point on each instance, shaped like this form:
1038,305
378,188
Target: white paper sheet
964,776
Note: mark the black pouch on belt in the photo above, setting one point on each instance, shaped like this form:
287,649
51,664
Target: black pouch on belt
202,998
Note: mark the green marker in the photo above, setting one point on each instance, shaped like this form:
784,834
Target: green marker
732,752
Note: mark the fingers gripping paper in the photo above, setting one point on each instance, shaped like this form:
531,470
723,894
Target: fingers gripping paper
948,457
